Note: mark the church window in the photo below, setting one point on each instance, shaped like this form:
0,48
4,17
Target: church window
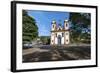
62,34
67,40
53,26
52,40
56,34
66,25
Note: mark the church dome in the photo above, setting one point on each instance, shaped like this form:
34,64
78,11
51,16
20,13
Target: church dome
66,20
53,21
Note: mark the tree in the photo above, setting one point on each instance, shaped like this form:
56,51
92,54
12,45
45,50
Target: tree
30,29
45,39
80,26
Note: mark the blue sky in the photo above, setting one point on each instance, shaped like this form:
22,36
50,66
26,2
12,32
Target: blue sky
44,19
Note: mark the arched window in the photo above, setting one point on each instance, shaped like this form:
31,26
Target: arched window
56,34
62,34
66,25
53,26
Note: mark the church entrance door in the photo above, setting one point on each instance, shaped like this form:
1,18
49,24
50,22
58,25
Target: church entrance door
59,40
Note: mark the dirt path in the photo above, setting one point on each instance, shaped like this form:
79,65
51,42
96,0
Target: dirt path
47,53
32,50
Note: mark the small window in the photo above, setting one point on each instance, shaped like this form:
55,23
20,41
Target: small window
67,40
62,34
66,25
53,26
56,34
52,40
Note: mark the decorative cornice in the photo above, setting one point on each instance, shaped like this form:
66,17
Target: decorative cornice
59,30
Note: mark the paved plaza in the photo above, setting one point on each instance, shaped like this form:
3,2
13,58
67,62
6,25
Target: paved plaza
57,53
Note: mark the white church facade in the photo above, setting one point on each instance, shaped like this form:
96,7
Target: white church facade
60,34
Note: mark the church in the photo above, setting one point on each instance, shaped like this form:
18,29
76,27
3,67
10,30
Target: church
59,33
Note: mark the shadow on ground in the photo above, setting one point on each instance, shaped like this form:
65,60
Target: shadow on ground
59,54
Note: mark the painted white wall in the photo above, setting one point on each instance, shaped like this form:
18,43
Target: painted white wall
62,38
55,39
52,37
66,27
67,37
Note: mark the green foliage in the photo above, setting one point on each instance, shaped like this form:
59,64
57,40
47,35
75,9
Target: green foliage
80,27
45,39
30,29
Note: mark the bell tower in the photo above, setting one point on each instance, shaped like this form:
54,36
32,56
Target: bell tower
53,28
66,25
53,25
66,34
